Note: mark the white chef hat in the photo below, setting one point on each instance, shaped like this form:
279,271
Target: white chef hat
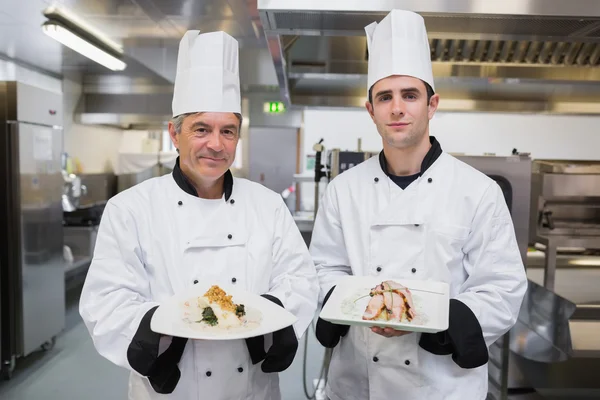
207,78
398,45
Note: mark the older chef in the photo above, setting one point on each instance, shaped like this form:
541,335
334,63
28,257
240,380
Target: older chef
415,212
198,224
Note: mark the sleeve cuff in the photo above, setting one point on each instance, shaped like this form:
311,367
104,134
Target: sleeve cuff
143,349
143,356
463,339
327,333
273,299
256,345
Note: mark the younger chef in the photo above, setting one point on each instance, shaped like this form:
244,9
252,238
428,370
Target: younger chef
415,212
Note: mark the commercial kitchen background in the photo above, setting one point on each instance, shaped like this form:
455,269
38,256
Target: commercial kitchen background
525,78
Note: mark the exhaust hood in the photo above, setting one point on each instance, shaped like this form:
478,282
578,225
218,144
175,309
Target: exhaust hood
142,103
517,55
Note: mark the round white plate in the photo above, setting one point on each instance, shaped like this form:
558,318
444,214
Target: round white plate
264,315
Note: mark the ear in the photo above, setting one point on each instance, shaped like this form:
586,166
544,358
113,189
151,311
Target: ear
174,136
433,105
369,108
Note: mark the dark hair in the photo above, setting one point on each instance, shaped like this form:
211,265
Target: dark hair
428,87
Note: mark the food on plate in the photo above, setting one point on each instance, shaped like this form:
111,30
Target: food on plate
390,301
215,308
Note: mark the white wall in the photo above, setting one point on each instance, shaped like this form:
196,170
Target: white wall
96,147
544,136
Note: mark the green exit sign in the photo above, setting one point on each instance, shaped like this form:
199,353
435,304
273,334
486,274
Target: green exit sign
274,107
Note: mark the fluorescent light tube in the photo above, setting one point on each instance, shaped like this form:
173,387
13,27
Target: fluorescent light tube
83,47
55,12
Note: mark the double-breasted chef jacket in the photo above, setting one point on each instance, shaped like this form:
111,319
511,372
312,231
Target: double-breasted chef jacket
451,224
157,239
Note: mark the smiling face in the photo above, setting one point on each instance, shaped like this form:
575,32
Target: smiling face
400,110
206,143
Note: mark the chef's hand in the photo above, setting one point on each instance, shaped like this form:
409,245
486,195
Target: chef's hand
156,356
388,332
328,333
281,353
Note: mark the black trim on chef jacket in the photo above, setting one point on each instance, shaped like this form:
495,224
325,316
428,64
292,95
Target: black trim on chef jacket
435,151
185,185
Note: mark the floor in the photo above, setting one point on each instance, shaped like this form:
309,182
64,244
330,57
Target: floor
73,370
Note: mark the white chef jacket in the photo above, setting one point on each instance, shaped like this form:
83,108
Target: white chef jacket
156,240
451,225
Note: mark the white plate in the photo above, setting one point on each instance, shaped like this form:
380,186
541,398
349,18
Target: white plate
266,316
431,299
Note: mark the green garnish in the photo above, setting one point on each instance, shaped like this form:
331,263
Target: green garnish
209,317
240,310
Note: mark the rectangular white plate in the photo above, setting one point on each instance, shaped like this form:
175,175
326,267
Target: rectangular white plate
431,299
169,317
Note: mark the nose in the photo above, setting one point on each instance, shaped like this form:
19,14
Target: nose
397,106
215,142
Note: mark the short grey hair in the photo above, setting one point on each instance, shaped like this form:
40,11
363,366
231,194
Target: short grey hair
178,121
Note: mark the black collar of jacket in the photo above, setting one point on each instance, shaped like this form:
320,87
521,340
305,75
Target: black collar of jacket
435,151
185,185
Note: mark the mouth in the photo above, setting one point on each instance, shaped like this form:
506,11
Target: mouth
398,124
213,159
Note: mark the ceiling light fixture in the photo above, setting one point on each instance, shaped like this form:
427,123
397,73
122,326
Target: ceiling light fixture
72,32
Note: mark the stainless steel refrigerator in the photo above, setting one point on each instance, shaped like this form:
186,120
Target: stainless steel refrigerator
32,293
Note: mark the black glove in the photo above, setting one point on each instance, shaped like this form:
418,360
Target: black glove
162,371
463,339
329,334
283,350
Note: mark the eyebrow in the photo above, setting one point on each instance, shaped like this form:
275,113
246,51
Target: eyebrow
407,90
201,124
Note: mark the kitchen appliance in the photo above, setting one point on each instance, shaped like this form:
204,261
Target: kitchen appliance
513,175
565,209
32,294
339,161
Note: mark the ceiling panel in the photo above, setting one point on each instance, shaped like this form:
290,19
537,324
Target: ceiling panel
149,31
6,19
184,8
